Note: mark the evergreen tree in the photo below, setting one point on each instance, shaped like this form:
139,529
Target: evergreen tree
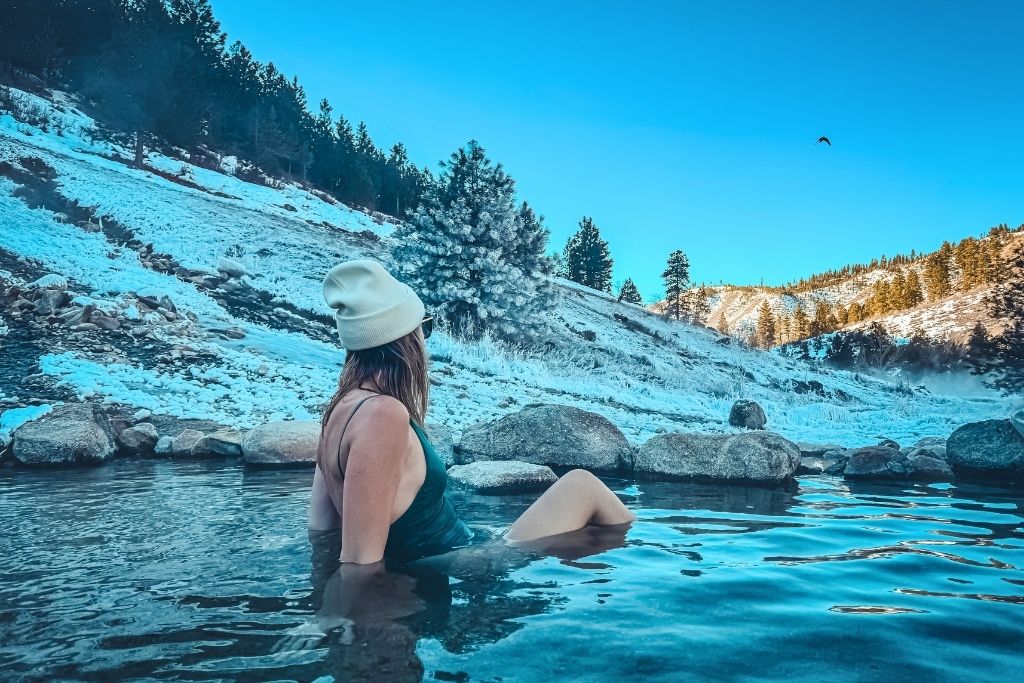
587,258
937,272
801,324
765,336
629,293
913,295
676,277
698,305
475,258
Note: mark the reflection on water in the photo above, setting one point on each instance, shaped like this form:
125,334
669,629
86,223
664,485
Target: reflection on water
204,571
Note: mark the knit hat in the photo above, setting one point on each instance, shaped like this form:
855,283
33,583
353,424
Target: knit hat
371,307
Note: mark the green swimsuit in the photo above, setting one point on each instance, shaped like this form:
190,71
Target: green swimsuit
430,526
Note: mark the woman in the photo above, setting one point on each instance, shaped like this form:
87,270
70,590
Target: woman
378,478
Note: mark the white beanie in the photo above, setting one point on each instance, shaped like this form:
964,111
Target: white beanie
371,307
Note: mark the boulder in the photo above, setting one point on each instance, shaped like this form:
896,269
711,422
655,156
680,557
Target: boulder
548,434
992,448
282,443
747,414
225,442
441,438
889,443
74,433
887,463
163,445
927,468
1017,422
140,439
816,450
184,443
934,451
496,477
747,456
819,464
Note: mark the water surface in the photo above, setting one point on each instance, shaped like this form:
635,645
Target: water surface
157,570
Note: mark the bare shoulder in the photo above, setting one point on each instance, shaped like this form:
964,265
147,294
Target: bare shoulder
386,410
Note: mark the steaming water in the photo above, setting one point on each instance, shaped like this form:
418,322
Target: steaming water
204,571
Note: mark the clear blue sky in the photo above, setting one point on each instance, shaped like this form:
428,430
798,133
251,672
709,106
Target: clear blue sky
691,125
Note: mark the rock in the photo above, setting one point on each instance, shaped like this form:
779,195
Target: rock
494,477
937,452
282,443
51,301
747,414
141,414
889,443
992,448
1017,422
230,267
163,445
876,462
548,434
816,450
927,468
749,456
51,281
74,433
441,438
819,464
140,439
185,442
930,441
226,443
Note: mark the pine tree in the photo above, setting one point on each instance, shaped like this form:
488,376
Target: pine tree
937,272
913,295
765,336
801,324
476,259
677,280
629,293
1005,369
587,258
898,292
698,305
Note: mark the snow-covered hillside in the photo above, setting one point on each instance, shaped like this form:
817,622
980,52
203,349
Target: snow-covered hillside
258,344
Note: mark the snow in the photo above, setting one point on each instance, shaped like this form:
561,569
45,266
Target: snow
670,377
11,419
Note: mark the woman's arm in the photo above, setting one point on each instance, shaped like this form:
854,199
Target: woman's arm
323,516
372,475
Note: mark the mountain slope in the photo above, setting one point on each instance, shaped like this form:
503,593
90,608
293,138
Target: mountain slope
257,344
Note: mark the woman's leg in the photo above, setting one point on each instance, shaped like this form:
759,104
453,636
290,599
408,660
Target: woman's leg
577,499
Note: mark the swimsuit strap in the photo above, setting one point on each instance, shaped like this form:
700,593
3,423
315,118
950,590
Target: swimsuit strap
350,415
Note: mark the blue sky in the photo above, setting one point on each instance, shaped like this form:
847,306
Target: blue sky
686,125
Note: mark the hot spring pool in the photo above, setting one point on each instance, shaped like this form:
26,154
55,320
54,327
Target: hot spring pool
146,569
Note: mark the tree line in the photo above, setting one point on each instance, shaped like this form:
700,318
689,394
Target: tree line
161,71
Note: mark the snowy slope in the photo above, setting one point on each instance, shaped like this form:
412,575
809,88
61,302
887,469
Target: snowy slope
643,373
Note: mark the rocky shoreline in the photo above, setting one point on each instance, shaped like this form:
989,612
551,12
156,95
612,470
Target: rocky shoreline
522,450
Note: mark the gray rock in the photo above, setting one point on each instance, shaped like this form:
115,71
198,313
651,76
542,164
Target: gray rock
1017,422
163,445
819,464
992,448
441,438
282,443
816,450
496,477
747,414
748,456
889,443
930,441
185,442
876,462
75,433
230,267
225,442
140,439
933,451
548,434
927,468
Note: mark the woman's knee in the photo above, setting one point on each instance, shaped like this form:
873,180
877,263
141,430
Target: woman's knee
580,477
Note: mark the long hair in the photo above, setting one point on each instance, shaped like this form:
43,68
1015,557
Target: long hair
398,369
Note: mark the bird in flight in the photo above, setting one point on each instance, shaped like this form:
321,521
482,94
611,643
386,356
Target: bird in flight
825,140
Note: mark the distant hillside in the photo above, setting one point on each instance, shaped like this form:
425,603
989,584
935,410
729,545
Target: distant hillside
950,306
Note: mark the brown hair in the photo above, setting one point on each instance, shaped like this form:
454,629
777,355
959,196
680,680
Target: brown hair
398,369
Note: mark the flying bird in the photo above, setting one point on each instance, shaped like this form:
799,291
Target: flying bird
825,140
